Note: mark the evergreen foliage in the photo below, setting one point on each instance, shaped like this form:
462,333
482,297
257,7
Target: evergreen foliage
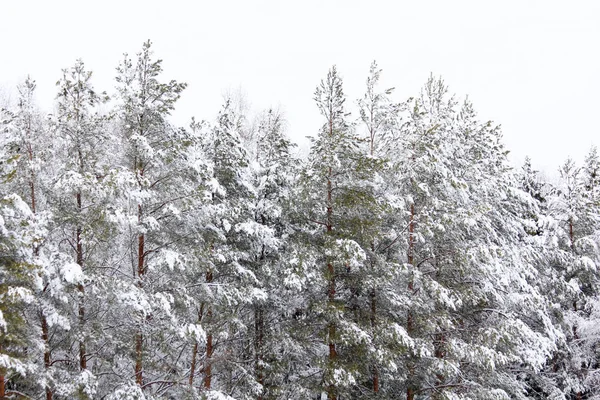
403,258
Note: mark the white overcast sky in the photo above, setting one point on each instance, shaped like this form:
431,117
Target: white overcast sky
531,66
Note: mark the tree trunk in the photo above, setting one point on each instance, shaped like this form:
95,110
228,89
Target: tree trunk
373,318
81,289
193,366
209,343
139,339
575,334
439,352
208,361
373,293
44,322
410,394
331,329
2,383
259,328
82,351
47,354
373,327
36,251
195,349
571,234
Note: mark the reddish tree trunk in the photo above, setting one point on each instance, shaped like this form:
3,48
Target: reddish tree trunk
372,133
571,234
2,383
259,342
81,288
45,339
373,326
373,296
47,354
195,349
439,352
209,343
410,256
575,334
193,367
139,348
410,394
36,250
208,361
139,339
411,232
82,351
331,329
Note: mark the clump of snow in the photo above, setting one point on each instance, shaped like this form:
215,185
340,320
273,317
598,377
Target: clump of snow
72,273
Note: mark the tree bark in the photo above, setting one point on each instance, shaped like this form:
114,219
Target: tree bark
373,327
195,349
193,366
81,289
373,318
259,332
439,352
43,321
410,394
373,293
571,234
2,383
36,251
139,339
209,343
575,334
47,354
331,329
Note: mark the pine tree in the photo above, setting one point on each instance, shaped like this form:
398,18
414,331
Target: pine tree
338,202
233,285
151,147
273,176
382,120
458,234
27,145
21,234
572,229
81,231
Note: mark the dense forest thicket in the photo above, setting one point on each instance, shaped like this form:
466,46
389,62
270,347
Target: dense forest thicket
403,258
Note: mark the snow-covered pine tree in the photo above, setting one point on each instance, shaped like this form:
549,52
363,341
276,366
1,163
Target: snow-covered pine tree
22,371
337,209
274,176
500,250
572,227
232,287
27,144
19,283
381,119
154,193
80,229
463,256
